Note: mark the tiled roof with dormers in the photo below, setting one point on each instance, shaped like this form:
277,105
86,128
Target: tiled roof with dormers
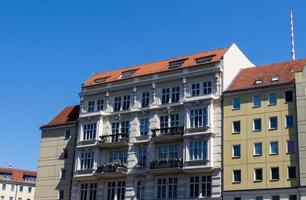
17,175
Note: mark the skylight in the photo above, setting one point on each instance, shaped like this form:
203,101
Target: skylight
127,74
204,59
100,80
258,81
275,77
176,64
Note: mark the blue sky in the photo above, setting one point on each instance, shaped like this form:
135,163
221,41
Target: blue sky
48,48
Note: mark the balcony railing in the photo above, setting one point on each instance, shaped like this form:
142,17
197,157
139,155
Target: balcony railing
162,164
84,171
112,168
114,138
169,131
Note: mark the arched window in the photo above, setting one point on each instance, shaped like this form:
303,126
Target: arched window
140,189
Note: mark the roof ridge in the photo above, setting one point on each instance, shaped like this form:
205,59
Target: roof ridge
275,63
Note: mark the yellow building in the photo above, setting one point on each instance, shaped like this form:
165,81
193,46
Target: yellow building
260,155
55,164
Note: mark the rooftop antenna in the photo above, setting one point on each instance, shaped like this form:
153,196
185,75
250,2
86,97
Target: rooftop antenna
292,36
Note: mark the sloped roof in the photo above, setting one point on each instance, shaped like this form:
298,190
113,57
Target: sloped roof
17,174
247,77
68,115
154,67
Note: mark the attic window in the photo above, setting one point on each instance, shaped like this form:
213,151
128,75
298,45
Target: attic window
204,59
275,77
127,74
6,176
100,80
258,81
176,64
29,178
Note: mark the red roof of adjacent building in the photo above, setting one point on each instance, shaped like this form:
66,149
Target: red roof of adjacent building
155,67
68,115
17,174
247,77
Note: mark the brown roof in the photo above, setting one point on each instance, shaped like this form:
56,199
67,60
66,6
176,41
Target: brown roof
285,70
155,67
17,174
68,115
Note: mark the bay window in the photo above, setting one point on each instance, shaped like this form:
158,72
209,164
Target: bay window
89,131
198,117
198,150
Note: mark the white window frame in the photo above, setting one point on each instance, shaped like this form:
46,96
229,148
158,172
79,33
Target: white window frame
269,99
271,179
253,101
270,145
273,128
258,180
87,157
233,103
233,127
233,176
233,150
205,157
207,115
254,149
257,130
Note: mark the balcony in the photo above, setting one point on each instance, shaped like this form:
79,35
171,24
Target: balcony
198,166
166,166
169,134
84,174
112,170
85,143
114,141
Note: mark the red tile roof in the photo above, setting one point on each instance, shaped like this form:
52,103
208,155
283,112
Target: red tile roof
17,174
68,115
155,67
285,70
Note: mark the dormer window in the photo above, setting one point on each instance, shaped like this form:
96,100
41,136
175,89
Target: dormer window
176,64
29,178
204,59
128,74
275,77
6,176
258,81
100,80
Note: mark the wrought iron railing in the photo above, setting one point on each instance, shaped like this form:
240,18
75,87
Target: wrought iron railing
122,137
161,164
176,130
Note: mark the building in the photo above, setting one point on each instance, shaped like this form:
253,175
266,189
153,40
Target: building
153,131
263,145
56,157
17,184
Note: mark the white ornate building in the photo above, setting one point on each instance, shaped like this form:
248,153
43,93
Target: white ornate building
153,131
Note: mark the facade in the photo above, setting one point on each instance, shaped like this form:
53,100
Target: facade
17,184
263,145
153,131
56,157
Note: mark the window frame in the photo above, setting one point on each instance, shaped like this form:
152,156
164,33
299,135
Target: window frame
254,125
271,174
233,176
233,127
254,98
270,148
234,99
270,123
269,99
254,149
233,150
255,175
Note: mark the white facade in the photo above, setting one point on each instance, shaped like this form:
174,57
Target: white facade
178,156
15,191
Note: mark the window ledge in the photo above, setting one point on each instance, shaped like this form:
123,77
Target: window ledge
257,181
236,182
274,180
235,157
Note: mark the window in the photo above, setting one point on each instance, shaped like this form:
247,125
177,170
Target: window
118,156
65,153
258,81
144,126
116,190
11,198
274,148
175,120
117,104
83,191
273,123
290,146
63,174
91,106
288,96
237,176
100,103
176,64
92,191
200,186
20,188
161,188
198,118
291,172
142,156
236,103
165,96
175,96
89,131
257,124
61,195
164,121
29,189
87,159
258,149
292,197
274,173
275,77
100,80
12,187
168,152
289,121
207,87
258,174
275,197
67,134
145,101
195,89
256,101
88,191
167,188
172,188
126,102
236,126
2,197
125,127
140,190
204,59
259,198
198,150
237,198
3,186
127,74
272,99
236,152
